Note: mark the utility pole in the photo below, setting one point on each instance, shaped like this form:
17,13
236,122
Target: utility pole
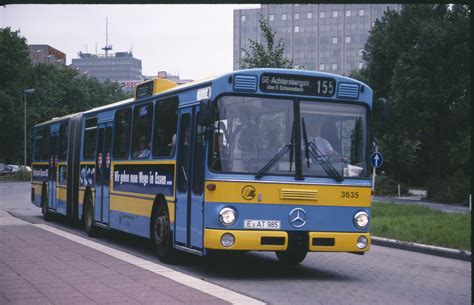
26,91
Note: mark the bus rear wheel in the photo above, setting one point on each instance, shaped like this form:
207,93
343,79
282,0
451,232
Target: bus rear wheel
161,235
291,257
44,205
89,227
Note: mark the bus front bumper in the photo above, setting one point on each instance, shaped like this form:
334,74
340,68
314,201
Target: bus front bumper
278,241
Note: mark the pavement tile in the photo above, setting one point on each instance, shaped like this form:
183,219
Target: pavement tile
64,291
89,289
15,283
24,295
69,299
210,302
125,285
189,295
151,296
80,279
114,279
33,301
53,284
112,296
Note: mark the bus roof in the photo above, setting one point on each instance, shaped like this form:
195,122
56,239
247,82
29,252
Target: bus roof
207,80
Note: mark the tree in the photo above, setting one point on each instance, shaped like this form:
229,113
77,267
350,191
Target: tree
59,90
268,54
419,59
14,68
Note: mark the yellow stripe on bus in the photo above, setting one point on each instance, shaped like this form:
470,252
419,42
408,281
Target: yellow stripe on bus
61,193
298,194
136,206
39,163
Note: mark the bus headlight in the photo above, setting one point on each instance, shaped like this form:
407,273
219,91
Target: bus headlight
227,216
361,220
362,242
227,240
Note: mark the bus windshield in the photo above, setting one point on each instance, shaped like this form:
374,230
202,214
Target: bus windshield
256,135
250,131
336,138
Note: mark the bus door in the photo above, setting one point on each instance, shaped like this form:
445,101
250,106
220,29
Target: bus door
52,172
102,171
190,173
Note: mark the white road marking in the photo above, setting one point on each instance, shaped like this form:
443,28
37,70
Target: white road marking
212,289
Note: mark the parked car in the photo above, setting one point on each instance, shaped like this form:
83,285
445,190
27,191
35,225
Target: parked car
13,168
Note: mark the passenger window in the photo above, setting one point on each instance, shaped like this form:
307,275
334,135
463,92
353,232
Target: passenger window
122,133
38,143
45,145
90,136
166,119
142,124
63,141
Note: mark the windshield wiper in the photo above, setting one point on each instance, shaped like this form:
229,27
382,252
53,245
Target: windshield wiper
311,149
290,146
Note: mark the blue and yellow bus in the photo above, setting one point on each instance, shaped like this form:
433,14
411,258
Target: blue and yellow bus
253,160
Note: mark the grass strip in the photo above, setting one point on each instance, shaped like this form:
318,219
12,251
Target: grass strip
422,225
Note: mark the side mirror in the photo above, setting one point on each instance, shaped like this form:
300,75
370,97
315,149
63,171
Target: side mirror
206,113
381,110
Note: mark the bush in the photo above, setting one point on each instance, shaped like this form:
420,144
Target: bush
21,175
387,186
454,189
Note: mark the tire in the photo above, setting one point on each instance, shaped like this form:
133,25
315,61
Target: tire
89,227
291,257
44,205
161,235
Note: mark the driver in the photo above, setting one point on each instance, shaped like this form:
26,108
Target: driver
314,128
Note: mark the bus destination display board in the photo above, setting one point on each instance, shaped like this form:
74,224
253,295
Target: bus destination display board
144,90
297,84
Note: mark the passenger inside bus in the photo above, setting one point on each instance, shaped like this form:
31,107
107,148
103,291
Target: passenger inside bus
245,142
144,151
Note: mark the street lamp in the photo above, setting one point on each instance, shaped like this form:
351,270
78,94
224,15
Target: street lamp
26,91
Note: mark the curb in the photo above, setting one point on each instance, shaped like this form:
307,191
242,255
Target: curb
421,248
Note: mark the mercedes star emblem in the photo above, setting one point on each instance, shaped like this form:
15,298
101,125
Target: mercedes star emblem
297,217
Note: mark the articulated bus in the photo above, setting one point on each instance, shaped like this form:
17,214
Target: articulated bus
253,160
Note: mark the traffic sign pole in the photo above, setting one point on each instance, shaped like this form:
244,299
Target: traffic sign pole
373,171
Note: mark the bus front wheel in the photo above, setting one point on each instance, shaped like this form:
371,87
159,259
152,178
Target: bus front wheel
161,235
291,257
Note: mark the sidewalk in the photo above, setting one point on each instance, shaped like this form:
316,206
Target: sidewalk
37,266
418,200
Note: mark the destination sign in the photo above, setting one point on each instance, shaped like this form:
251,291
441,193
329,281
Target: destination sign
144,90
297,84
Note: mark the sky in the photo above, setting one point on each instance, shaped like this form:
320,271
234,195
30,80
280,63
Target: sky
194,41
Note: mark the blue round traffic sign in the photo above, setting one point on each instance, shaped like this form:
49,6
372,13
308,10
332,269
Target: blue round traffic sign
376,159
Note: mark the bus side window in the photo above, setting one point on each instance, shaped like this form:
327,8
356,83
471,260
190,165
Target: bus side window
141,138
38,143
166,119
90,136
63,140
45,145
122,133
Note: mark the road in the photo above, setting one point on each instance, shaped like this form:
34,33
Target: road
383,276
